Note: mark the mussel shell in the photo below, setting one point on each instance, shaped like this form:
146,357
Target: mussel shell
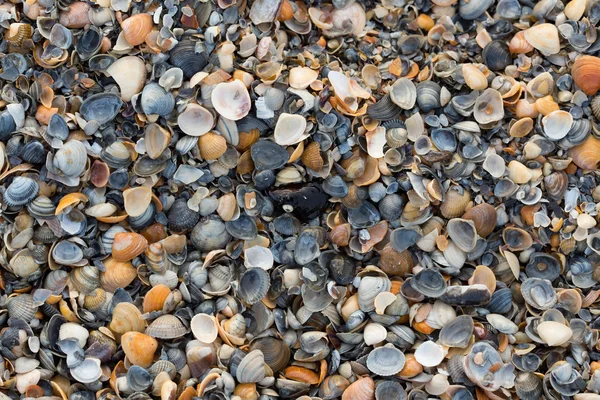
304,201
101,107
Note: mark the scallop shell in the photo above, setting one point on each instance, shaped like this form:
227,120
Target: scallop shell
167,327
385,361
212,146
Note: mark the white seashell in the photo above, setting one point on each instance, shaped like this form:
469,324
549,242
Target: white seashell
171,79
88,371
71,330
440,314
374,333
415,126
23,381
557,124
302,77
343,89
204,328
130,74
404,93
195,120
494,164
101,210
544,37
437,385
489,107
586,221
290,129
258,257
502,324
376,140
187,174
429,354
554,333
231,100
382,300
262,111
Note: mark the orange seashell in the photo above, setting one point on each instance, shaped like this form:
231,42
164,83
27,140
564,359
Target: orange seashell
518,44
586,155
43,114
311,157
18,33
423,327
211,146
95,300
99,173
227,207
245,164
361,389
126,318
394,263
484,275
301,374
70,200
136,27
546,105
139,348
76,16
155,298
411,367
286,11
586,74
340,235
118,274
246,391
484,217
187,394
247,139
425,22
128,245
371,173
523,109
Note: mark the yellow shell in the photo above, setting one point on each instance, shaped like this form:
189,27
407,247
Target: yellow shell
455,203
70,200
139,348
247,139
212,146
95,300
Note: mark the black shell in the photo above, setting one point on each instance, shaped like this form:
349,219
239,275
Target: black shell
184,56
496,55
181,217
33,152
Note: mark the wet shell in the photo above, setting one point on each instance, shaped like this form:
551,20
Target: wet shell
586,74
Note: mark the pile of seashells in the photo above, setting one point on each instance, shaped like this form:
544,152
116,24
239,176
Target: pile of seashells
280,199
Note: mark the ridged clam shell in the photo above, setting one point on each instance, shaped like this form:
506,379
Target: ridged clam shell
185,56
167,327
276,353
254,285
361,389
385,361
181,218
428,95
156,100
33,152
128,245
20,192
383,110
41,207
21,307
251,369
85,279
117,275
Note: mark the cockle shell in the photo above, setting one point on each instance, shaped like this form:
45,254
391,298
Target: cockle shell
586,74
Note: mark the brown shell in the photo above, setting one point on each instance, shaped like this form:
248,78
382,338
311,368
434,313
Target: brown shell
311,157
394,263
95,300
455,203
340,235
411,367
136,27
484,217
586,74
128,245
155,298
245,164
118,274
485,276
212,146
139,348
247,139
586,155
19,34
99,173
301,374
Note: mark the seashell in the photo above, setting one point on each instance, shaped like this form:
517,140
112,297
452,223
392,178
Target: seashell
89,43
181,218
171,79
254,285
276,353
463,233
268,155
586,74
538,293
116,156
24,365
33,152
251,368
130,74
516,239
497,374
470,11
554,333
457,332
88,371
128,245
204,328
403,93
429,282
484,218
101,107
76,16
166,327
385,361
488,107
136,28
311,157
557,124
189,57
66,253
156,100
302,77
290,129
209,234
126,318
195,120
333,386
85,279
139,348
361,389
543,37
474,78
21,307
231,100
212,146
455,203
585,155
528,385
391,390
99,174
428,96
137,200
20,192
496,54
118,274
138,378
429,354
71,159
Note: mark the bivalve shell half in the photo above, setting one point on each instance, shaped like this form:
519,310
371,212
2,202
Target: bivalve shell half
231,100
137,200
302,77
544,37
204,327
385,361
136,28
130,74
361,389
586,74
290,129
128,245
195,120
212,146
139,348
